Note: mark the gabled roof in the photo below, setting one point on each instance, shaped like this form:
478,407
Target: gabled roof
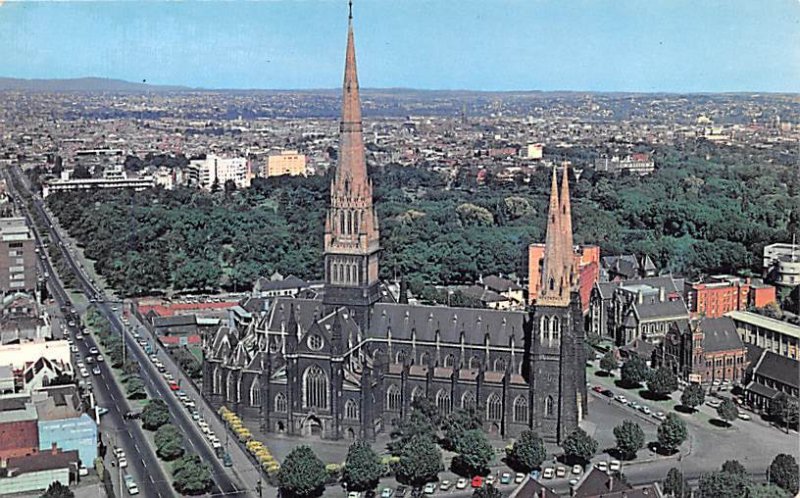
500,284
779,368
661,310
719,334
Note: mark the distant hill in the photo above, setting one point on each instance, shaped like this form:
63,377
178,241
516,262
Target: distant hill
83,85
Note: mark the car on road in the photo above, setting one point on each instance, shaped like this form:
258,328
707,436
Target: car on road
430,488
94,350
118,452
462,483
101,411
744,416
96,371
173,386
477,482
519,477
598,389
577,469
614,465
100,358
445,485
621,398
132,415
387,493
548,473
84,373
608,392
133,489
505,478
78,336
561,471
122,462
658,416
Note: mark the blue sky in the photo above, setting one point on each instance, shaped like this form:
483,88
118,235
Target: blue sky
595,45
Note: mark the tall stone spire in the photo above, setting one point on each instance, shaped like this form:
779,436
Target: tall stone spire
566,228
351,227
554,288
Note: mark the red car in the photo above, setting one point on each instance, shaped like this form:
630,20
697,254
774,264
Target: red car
174,385
598,389
477,481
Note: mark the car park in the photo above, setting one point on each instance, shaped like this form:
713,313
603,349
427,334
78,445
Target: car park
548,473
462,483
429,488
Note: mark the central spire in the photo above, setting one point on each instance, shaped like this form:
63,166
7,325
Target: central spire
351,228
557,273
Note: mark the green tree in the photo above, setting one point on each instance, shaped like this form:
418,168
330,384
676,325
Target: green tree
755,490
421,422
630,439
693,396
579,446
488,491
474,453
785,472
723,485
528,452
455,425
191,476
169,442
135,388
675,485
634,371
671,433
609,361
155,414
420,463
662,382
783,411
362,467
302,474
130,368
727,411
734,467
58,490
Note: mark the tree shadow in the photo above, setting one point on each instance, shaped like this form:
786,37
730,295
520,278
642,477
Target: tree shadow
616,454
684,409
625,385
656,448
651,396
603,373
719,423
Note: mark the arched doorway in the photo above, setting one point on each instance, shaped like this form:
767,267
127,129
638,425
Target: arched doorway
312,426
351,434
280,427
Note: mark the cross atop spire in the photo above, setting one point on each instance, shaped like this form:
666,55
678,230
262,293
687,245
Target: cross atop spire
350,4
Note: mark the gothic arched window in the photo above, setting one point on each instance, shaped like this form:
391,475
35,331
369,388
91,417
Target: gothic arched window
315,388
393,398
449,361
255,393
443,402
400,357
351,410
520,409
417,393
423,359
548,406
280,403
475,362
468,401
494,407
499,365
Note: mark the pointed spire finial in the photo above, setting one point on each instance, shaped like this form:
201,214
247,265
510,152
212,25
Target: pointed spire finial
350,4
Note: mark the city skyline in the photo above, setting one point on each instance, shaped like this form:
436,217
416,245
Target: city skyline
502,46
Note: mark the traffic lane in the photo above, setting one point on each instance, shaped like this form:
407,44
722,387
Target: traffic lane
181,416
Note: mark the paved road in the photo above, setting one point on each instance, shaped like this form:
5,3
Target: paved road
225,483
128,435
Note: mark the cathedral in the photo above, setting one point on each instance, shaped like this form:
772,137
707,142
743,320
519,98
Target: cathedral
348,362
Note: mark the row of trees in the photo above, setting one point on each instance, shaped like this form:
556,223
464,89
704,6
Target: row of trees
733,481
693,215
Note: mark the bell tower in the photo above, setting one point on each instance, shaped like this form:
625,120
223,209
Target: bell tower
352,244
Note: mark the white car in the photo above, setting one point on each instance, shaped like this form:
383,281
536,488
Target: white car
430,488
614,465
713,403
577,469
744,416
602,466
123,462
84,373
462,483
548,473
519,477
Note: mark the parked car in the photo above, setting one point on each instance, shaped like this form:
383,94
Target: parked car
744,416
445,485
173,386
401,490
387,493
94,350
548,473
462,483
353,494
489,481
602,466
645,409
519,478
100,358
621,398
608,392
577,469
505,478
713,403
561,471
659,416
122,462
477,482
614,465
429,488
96,370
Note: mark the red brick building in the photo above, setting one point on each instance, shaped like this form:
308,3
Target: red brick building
708,351
720,294
19,433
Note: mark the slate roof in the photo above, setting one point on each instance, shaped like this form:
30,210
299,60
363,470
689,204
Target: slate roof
779,368
44,460
719,334
290,282
661,310
597,483
499,284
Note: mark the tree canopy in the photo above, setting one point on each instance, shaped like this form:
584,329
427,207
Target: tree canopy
579,446
634,371
169,442
475,453
727,410
420,462
785,472
191,476
672,433
630,438
662,382
362,467
58,490
155,414
528,452
693,396
302,474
